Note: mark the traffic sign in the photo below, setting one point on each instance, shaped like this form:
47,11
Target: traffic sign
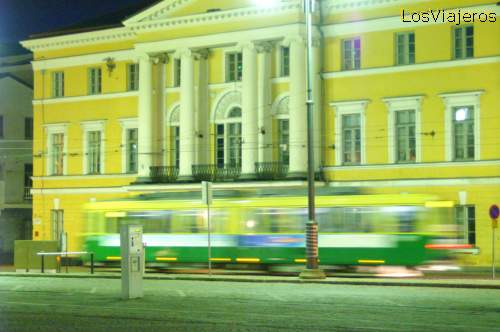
494,211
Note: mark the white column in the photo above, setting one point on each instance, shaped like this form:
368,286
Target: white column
298,110
249,111
264,101
145,148
202,118
187,134
159,126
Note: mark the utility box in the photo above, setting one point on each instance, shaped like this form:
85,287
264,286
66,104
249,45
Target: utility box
27,260
132,254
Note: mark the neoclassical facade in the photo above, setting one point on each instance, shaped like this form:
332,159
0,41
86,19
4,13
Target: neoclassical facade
186,90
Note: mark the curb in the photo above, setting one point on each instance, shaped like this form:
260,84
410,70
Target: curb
291,280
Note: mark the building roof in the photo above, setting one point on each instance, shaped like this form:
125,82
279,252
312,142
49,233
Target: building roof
107,21
10,49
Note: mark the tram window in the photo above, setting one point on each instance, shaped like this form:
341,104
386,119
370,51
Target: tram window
275,220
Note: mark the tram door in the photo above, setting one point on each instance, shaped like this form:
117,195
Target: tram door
58,228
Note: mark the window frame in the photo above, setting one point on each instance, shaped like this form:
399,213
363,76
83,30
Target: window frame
284,62
173,127
463,41
127,124
346,108
352,56
466,223
452,100
238,75
176,72
52,129
226,122
94,81
397,104
93,126
58,84
132,77
406,45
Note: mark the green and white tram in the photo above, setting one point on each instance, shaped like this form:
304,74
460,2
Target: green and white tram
269,229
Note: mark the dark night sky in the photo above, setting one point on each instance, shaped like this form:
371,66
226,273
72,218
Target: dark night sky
21,18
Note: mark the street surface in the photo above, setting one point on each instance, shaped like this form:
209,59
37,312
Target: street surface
78,304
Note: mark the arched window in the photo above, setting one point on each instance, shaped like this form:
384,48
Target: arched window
283,126
228,139
174,131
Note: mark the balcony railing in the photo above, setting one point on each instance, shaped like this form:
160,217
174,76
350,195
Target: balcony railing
164,174
27,194
216,173
271,170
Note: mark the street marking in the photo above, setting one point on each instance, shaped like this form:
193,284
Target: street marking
181,293
93,290
17,287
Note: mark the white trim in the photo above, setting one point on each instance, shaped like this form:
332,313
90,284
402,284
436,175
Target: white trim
82,177
340,6
394,22
98,125
60,100
345,108
236,101
416,165
403,104
84,60
78,191
494,181
414,67
451,100
280,80
78,39
276,103
56,128
128,123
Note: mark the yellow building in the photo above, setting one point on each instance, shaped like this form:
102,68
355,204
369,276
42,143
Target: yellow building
188,90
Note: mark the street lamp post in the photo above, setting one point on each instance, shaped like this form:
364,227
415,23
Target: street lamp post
312,271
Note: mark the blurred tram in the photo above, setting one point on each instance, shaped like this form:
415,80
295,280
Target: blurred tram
268,228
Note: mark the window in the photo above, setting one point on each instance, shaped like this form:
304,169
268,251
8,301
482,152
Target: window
58,84
405,48
466,221
57,155
28,173
132,77
351,139
463,133
405,136
285,62
95,78
463,42
131,150
1,126
28,128
93,152
57,217
351,54
284,137
174,134
228,139
177,73
234,67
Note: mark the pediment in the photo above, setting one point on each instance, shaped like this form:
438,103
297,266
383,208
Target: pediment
170,9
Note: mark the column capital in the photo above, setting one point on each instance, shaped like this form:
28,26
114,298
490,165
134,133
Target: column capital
264,46
293,40
160,58
201,54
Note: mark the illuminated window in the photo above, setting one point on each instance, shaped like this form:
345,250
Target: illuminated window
351,54
234,67
58,84
405,48
228,139
463,133
175,131
132,77
463,42
284,137
95,79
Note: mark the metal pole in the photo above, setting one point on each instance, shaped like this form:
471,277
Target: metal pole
91,263
312,271
209,241
43,264
493,251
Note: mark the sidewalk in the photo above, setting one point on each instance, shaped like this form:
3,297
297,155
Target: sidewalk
371,281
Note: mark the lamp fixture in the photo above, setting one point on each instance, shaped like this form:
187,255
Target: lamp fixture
110,65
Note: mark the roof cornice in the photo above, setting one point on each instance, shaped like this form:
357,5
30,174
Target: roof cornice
78,39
